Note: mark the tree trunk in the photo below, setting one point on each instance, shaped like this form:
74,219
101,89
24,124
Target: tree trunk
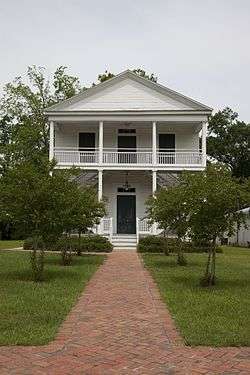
209,276
181,260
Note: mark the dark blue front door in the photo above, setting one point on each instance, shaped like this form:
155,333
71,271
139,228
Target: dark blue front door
126,214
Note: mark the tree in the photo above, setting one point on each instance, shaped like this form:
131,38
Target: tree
212,198
140,72
169,209
228,142
44,206
23,125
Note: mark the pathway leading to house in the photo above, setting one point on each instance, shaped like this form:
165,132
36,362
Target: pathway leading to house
120,326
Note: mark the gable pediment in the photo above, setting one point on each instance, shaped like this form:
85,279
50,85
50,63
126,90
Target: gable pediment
128,92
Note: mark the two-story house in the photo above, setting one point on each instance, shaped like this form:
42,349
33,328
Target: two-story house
129,135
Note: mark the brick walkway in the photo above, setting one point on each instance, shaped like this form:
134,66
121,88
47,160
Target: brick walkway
120,326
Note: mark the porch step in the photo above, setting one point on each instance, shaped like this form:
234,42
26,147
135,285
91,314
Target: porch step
124,241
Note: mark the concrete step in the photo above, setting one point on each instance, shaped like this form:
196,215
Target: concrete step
124,241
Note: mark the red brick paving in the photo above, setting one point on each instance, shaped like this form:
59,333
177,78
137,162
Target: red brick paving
120,326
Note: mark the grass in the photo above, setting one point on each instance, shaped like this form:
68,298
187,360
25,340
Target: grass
30,313
219,316
10,244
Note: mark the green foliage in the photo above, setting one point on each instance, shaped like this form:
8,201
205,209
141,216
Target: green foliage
212,200
167,245
104,76
84,244
45,206
152,244
142,73
205,206
23,125
228,142
169,209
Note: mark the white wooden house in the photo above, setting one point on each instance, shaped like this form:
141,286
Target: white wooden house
129,135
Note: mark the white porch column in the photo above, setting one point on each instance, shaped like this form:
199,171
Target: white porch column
154,142
100,185
100,142
154,188
204,143
51,140
154,181
100,172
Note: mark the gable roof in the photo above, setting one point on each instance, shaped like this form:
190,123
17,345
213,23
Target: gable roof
130,92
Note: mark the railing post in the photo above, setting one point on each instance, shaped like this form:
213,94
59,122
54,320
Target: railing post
137,230
51,140
154,157
110,229
154,188
204,144
100,142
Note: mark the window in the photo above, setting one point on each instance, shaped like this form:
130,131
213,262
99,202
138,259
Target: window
126,131
125,190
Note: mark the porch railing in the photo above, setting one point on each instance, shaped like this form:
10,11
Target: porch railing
106,227
139,157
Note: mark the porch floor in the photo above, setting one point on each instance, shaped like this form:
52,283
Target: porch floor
121,326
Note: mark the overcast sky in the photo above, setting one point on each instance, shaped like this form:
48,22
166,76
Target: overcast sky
200,48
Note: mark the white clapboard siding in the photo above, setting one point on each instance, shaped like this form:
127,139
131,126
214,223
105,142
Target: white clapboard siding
128,95
66,135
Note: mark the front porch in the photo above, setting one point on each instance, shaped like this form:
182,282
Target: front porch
125,194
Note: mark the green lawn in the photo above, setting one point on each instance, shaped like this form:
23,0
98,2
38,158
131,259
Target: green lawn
216,317
10,244
30,313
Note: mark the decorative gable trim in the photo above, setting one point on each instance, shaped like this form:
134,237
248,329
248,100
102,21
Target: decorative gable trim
63,106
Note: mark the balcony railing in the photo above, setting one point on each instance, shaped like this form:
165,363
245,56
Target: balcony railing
143,157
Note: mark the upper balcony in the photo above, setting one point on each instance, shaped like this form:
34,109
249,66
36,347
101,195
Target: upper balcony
140,158
134,145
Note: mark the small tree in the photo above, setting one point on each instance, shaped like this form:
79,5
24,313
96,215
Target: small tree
213,209
85,211
169,209
45,206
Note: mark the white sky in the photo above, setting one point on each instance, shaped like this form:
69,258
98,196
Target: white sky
200,48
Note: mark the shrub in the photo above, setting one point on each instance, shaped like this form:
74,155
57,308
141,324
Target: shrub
159,244
88,243
152,244
33,243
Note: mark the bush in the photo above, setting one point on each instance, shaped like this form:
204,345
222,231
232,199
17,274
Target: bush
159,244
152,244
33,243
84,244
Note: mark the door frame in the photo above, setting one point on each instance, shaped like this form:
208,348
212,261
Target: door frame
135,201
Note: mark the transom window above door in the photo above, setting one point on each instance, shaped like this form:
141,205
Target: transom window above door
126,131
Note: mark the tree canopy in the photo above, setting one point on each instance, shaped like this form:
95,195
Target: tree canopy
229,142
205,206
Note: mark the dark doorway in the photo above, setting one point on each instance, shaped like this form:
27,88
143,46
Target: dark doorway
86,141
126,214
127,144
166,142
166,149
87,147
